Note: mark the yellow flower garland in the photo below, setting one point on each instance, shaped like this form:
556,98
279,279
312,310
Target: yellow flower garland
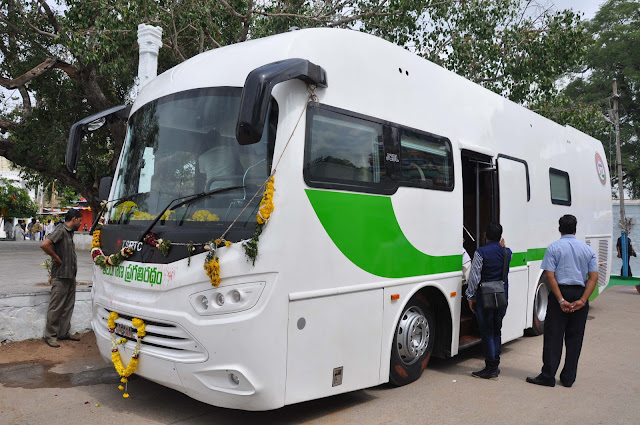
115,353
95,240
266,204
106,260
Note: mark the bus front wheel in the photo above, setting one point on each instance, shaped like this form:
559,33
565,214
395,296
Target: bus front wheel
413,342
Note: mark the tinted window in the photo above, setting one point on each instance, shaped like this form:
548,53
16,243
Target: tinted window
348,151
560,187
344,149
426,161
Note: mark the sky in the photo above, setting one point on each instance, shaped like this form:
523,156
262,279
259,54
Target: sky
588,7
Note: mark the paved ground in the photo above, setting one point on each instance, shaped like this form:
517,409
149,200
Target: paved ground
21,271
76,386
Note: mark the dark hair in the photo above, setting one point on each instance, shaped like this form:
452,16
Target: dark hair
568,224
493,231
71,214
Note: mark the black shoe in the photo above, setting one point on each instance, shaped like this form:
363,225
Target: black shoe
566,384
485,373
69,338
539,380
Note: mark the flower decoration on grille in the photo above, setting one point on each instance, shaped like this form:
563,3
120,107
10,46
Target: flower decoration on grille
125,372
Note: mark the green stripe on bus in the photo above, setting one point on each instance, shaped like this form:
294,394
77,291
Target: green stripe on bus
366,231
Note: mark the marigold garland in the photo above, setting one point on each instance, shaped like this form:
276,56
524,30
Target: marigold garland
212,262
266,204
98,256
115,353
264,213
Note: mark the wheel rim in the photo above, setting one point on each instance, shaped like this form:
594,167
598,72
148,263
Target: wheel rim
542,299
412,336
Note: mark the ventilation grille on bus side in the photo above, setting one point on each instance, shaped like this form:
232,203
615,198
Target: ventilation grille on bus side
164,340
602,253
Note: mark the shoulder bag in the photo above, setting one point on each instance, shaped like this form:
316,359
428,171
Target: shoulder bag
493,295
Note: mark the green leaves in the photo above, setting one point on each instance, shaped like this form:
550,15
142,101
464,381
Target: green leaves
506,45
14,201
614,35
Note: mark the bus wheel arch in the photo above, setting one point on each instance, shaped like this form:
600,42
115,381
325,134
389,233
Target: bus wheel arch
423,326
540,302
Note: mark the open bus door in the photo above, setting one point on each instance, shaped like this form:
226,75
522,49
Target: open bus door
513,181
479,208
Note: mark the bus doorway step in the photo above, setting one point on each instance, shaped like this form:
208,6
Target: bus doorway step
467,341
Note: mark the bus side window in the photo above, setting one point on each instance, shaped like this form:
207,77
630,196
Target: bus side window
425,161
344,151
560,187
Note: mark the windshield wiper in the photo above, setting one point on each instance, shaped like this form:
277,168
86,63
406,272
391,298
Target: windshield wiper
106,207
185,200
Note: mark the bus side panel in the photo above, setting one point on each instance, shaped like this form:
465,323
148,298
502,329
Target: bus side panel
328,333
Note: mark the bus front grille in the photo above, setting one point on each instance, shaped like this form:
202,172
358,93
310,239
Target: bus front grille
164,340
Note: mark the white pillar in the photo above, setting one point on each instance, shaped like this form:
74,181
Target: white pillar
150,41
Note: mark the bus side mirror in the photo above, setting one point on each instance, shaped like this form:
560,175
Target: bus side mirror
87,125
105,188
256,93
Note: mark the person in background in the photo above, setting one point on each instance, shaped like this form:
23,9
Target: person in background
466,263
29,227
571,269
59,245
489,265
36,230
8,227
18,231
49,228
630,252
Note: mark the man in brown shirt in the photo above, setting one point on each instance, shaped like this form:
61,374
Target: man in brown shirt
59,245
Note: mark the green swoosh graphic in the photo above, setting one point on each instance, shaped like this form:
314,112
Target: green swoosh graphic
366,231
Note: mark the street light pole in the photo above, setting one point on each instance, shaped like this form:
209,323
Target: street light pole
623,220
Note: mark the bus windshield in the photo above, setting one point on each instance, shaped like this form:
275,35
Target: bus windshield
184,144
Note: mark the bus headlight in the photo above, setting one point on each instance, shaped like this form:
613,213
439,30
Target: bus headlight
228,299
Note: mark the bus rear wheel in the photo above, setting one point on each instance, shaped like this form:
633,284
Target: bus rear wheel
413,342
540,302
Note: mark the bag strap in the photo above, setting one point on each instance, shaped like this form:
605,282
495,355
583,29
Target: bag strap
505,268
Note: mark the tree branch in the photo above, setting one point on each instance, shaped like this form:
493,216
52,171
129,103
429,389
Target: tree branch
231,9
50,16
29,75
26,101
7,125
16,30
38,71
246,21
38,164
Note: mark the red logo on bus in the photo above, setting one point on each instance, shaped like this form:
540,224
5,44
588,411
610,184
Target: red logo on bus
600,168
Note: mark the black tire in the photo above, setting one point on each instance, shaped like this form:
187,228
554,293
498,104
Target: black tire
417,325
540,302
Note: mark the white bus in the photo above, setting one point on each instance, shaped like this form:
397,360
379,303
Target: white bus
358,278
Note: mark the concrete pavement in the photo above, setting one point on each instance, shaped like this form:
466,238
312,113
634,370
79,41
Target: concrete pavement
21,270
81,389
24,293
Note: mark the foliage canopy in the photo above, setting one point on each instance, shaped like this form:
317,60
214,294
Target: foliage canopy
15,201
67,59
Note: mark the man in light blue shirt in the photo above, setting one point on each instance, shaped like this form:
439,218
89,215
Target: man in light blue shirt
571,269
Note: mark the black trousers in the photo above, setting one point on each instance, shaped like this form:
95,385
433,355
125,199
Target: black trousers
568,327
